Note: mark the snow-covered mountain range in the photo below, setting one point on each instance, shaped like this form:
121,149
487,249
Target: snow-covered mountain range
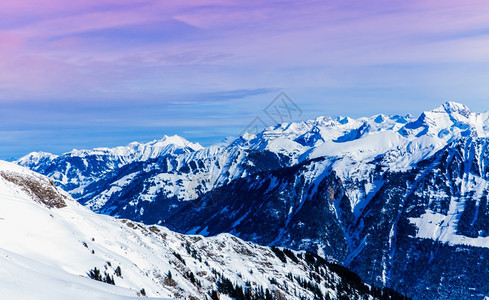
53,248
392,197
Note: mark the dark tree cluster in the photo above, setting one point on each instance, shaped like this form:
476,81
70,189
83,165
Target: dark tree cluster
95,274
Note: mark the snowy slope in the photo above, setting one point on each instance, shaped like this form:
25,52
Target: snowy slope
50,242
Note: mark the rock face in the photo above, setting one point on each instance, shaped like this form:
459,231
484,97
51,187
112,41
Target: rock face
401,201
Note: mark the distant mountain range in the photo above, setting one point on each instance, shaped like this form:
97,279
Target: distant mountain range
400,200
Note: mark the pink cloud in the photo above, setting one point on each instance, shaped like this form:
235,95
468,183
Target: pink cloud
237,43
67,43
10,42
86,22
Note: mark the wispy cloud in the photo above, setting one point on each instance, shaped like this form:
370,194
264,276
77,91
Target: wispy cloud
107,47
195,52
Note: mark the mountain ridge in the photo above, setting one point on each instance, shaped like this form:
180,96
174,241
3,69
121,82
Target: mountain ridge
361,192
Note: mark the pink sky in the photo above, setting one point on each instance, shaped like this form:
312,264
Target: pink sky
337,56
223,45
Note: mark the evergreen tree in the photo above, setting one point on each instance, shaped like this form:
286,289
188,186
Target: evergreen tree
95,274
118,271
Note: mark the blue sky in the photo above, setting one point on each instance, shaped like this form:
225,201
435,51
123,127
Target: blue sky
106,73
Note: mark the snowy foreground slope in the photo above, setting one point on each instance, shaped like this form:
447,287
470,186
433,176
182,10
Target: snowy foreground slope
50,243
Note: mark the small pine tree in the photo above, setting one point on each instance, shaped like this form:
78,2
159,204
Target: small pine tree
118,271
108,279
95,274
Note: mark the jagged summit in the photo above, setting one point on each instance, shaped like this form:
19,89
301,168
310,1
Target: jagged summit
448,122
37,157
178,141
458,108
155,146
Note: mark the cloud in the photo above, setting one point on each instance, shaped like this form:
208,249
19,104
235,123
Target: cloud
109,49
218,53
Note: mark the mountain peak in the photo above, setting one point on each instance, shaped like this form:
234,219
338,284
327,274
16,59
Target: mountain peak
454,107
36,157
179,142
